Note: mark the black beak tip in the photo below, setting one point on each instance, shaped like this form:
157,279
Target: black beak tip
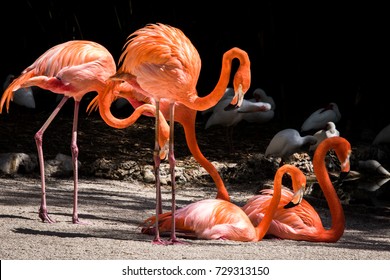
289,205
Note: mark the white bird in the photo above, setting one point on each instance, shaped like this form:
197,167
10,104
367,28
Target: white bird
22,96
320,118
329,131
383,137
287,142
230,118
260,95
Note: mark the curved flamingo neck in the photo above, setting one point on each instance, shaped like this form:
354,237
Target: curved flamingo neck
188,123
336,211
263,226
242,77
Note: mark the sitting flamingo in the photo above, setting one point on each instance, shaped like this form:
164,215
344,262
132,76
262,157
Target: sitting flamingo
302,222
221,219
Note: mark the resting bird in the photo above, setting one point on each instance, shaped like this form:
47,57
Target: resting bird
287,142
319,119
329,131
249,110
302,222
259,95
221,219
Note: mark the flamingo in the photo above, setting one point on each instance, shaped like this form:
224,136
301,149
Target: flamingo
72,69
183,115
319,118
287,142
302,222
163,63
250,110
221,219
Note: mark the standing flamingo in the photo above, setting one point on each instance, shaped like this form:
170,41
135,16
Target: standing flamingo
183,115
220,219
302,222
164,64
73,69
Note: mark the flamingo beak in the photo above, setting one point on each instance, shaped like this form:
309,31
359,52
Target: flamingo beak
237,99
296,199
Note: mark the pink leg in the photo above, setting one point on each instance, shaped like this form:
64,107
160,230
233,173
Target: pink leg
172,163
156,156
75,153
43,214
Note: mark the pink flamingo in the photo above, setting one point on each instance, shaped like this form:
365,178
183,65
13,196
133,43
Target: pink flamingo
73,69
163,64
221,219
302,222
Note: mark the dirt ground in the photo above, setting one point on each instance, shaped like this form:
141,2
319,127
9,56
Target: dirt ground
114,197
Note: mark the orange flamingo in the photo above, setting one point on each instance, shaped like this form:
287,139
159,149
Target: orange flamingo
302,222
221,219
73,69
183,115
163,63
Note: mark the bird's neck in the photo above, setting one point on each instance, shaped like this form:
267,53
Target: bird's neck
336,211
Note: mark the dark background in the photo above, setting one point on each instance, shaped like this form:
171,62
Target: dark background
304,55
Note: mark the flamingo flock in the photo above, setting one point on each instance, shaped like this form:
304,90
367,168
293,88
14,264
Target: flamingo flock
157,73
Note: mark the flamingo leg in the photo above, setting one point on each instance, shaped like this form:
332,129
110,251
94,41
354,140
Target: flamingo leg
172,163
43,213
156,156
75,152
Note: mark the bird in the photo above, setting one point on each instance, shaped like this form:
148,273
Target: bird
72,68
287,142
185,116
221,219
230,118
22,96
319,118
329,131
260,95
383,136
163,63
302,222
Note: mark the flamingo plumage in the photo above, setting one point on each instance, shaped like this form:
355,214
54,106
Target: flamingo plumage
165,64
221,219
302,222
72,69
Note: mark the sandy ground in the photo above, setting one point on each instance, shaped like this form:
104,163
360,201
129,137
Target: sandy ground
114,210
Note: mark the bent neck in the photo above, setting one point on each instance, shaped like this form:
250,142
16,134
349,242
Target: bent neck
263,226
242,76
336,211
